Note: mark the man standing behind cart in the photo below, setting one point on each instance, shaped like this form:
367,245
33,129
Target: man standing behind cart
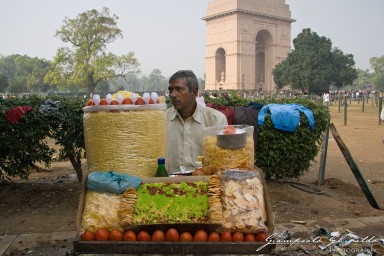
186,120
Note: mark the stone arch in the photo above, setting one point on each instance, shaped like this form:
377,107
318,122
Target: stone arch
263,49
220,64
234,25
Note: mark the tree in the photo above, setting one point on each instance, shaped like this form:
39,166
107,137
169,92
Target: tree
3,82
377,63
17,87
85,63
313,65
103,87
343,69
364,78
35,79
25,73
156,80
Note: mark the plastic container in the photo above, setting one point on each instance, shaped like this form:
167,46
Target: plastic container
125,138
222,152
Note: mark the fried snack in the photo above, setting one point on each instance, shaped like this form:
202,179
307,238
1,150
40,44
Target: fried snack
100,211
127,206
128,140
215,208
217,158
243,204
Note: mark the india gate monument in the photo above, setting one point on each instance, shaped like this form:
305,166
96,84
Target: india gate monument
245,39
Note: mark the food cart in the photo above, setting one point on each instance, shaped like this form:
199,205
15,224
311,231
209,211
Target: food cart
96,122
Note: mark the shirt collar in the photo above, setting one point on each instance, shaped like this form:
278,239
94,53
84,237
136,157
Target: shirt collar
197,116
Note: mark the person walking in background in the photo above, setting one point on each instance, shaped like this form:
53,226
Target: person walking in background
382,117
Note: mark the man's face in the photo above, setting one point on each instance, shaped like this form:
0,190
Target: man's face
181,96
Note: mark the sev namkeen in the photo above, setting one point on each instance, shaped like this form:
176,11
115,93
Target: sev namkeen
127,139
100,211
217,158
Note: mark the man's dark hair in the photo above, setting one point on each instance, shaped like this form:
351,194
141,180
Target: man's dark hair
189,76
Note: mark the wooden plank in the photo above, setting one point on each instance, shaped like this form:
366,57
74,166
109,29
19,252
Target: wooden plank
354,168
109,247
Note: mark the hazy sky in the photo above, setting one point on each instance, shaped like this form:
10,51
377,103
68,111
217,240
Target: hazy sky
170,34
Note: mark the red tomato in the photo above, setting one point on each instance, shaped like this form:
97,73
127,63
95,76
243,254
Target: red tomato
102,234
200,236
261,236
226,237
214,237
250,237
88,236
158,235
172,235
116,235
238,237
229,129
143,236
186,237
129,236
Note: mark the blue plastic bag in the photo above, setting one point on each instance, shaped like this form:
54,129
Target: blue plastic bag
112,182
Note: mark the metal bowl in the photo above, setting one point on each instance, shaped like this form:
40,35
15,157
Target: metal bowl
232,141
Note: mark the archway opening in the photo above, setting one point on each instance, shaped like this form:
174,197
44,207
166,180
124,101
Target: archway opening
220,63
262,60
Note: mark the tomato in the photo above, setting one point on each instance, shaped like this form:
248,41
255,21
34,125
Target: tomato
140,101
238,237
102,234
88,236
127,101
151,101
250,237
90,102
172,235
200,236
114,102
214,237
261,236
129,236
103,101
226,237
229,129
186,237
158,235
143,236
116,235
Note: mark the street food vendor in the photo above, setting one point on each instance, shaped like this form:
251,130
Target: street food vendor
186,120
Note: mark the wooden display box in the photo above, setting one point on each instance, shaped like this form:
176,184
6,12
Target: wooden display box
139,247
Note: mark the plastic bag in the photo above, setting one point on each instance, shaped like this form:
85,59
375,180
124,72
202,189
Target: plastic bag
112,182
218,158
243,202
100,211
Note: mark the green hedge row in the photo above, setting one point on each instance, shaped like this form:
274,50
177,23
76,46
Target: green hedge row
25,143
